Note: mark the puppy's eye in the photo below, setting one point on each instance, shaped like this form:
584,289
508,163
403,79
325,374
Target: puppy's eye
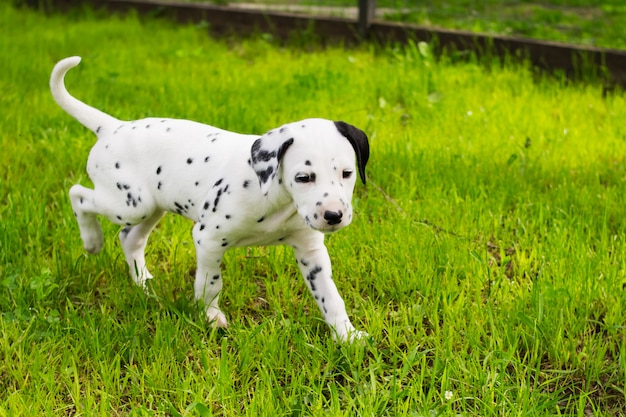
347,173
304,178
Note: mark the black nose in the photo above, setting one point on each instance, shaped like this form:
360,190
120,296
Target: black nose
333,217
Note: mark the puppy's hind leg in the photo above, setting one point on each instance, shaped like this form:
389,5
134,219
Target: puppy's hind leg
85,210
134,240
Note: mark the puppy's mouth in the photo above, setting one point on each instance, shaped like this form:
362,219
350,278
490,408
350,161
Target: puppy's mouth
326,226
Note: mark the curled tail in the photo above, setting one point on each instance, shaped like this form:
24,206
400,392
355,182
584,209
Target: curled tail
92,118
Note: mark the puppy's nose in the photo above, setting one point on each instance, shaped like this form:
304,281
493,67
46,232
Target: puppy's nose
333,217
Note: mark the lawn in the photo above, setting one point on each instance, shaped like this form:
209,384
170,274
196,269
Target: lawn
485,260
599,23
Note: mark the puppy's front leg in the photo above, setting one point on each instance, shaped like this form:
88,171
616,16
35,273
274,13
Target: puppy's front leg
134,240
208,282
315,266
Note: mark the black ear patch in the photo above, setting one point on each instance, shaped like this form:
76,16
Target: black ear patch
359,142
265,156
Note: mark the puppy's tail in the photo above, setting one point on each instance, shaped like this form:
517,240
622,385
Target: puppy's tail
88,116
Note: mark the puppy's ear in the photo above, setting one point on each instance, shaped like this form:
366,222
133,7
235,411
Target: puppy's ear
266,154
359,142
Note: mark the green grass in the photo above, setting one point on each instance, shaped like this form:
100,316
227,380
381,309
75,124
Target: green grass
599,23
486,259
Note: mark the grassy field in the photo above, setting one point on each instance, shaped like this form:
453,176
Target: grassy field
486,259
584,22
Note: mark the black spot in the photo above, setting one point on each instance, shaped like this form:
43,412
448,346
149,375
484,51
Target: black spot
303,262
319,203
325,194
216,277
119,217
119,186
307,163
217,200
227,216
189,161
158,171
312,275
206,205
159,185
197,183
218,182
117,165
147,126
125,230
168,129
246,183
261,219
206,159
98,129
202,227
282,129
81,200
264,175
315,216
224,244
179,208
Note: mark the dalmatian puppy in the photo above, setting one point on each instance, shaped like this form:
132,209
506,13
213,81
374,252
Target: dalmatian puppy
290,186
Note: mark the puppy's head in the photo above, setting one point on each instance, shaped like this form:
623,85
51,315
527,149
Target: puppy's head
317,161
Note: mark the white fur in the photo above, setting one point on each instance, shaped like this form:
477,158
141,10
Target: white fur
289,186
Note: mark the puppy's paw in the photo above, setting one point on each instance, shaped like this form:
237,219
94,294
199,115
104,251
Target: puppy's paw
216,317
140,277
351,336
93,240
